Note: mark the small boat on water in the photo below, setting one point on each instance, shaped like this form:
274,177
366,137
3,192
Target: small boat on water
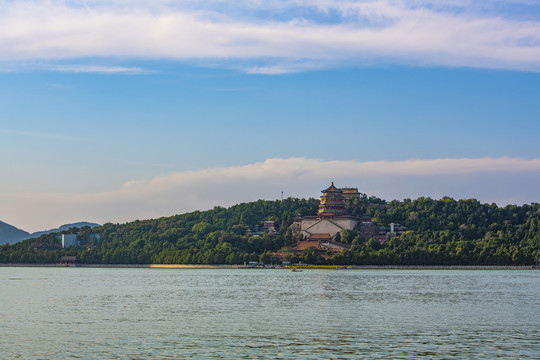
296,270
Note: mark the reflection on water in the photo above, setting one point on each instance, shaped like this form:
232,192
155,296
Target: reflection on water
268,314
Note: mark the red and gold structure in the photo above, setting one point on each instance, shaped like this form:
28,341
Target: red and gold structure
332,203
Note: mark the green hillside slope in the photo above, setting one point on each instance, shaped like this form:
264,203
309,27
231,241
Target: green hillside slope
440,232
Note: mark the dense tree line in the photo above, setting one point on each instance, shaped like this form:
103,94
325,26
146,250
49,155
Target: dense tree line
440,232
217,236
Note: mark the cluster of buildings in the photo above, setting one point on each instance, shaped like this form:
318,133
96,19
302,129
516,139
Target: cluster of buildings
321,231
268,227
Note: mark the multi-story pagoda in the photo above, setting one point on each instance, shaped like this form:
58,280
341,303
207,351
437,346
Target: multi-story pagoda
332,219
332,203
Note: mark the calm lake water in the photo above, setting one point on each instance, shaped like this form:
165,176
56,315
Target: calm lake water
85,313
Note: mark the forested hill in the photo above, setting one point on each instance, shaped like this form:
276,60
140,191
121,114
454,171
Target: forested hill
440,232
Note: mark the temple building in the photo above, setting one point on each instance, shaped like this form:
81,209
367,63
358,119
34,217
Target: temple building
331,220
332,203
320,231
349,194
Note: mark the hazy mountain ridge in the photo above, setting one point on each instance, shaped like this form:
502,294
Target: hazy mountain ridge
9,234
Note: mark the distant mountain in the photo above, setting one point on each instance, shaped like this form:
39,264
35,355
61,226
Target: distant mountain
10,234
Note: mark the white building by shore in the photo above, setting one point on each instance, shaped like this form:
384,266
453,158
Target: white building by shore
69,240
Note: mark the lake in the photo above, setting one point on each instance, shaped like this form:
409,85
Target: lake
130,313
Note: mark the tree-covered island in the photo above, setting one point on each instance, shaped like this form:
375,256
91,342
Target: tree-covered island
432,232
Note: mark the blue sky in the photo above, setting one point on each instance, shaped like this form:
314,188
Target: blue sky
112,111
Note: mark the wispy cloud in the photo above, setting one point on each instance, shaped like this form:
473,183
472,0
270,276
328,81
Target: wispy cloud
101,69
296,35
225,90
502,180
270,67
60,86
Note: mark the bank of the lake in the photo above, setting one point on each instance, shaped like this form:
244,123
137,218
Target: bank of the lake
302,266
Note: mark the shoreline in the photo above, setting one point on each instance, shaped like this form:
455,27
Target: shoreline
307,267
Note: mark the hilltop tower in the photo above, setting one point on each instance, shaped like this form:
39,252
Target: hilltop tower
320,231
332,203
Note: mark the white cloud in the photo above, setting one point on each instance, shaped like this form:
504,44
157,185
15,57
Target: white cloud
101,69
352,33
502,180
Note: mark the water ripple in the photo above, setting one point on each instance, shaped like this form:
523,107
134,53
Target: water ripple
80,313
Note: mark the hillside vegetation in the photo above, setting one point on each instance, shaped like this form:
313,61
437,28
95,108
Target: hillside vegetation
440,232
